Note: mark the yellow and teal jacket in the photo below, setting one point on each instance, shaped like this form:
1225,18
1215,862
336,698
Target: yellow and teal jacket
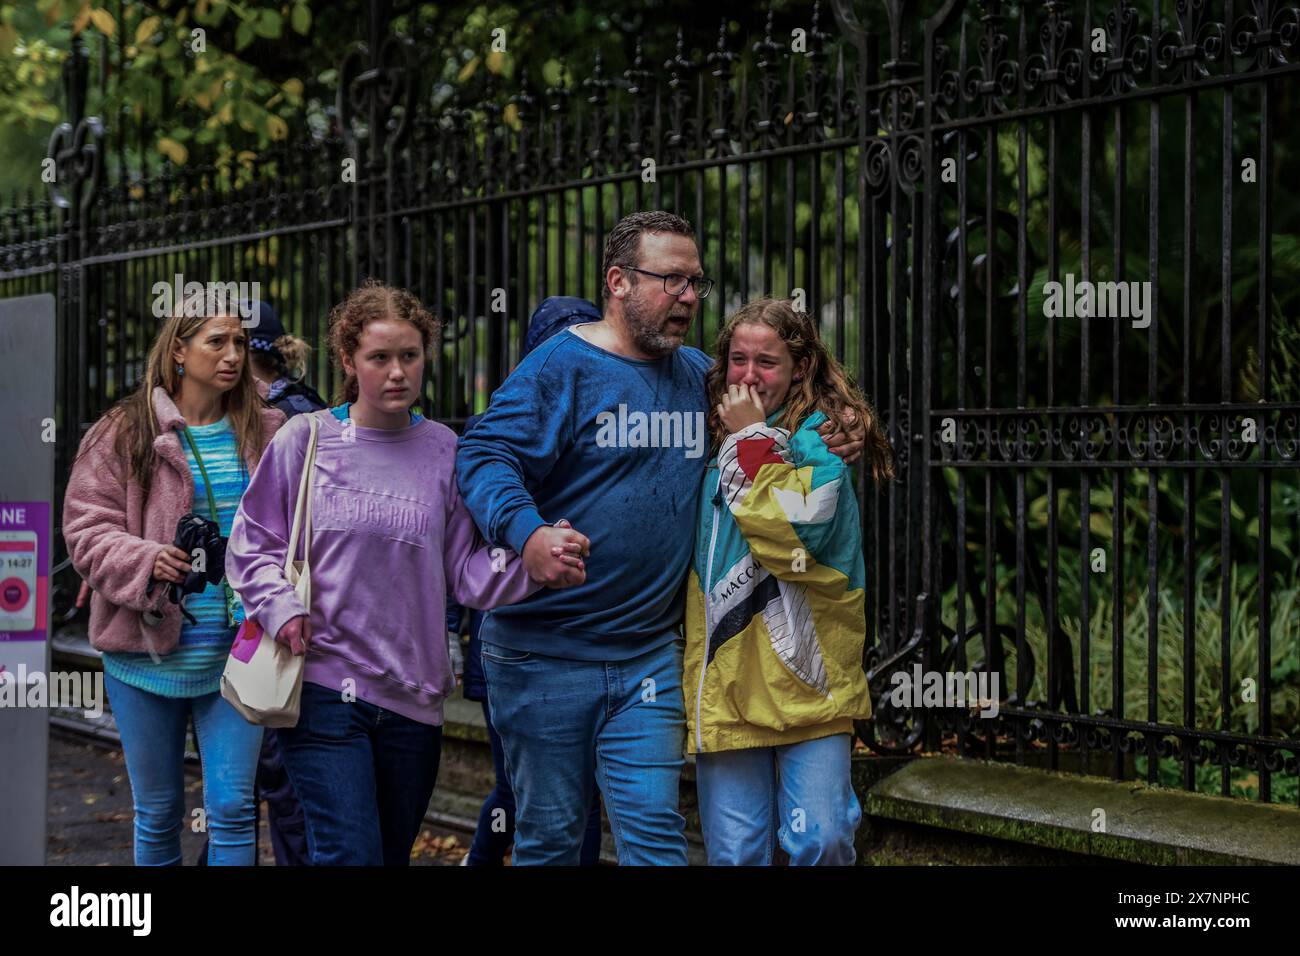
775,619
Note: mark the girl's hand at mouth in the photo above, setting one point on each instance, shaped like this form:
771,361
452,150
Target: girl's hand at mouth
740,408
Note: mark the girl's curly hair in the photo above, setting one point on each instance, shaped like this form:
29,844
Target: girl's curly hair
373,301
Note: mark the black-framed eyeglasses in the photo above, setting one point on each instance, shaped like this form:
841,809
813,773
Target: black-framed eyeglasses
675,283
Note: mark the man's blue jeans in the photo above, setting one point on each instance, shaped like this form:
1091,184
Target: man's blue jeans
565,722
496,818
153,741
364,776
800,794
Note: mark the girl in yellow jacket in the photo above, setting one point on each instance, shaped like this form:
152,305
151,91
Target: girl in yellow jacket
775,623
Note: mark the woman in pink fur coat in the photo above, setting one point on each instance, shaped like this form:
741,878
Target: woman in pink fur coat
186,440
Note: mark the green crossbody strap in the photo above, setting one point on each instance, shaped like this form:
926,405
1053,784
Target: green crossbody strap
207,485
212,510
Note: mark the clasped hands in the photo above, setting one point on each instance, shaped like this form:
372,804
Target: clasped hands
553,556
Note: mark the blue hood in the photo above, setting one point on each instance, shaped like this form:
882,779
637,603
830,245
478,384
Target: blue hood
555,314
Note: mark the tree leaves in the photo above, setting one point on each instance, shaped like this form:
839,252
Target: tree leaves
103,21
147,28
267,24
293,89
53,10
173,150
467,70
301,18
247,115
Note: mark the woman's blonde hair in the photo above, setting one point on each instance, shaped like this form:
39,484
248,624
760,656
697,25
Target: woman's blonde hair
295,352
137,424
823,386
291,360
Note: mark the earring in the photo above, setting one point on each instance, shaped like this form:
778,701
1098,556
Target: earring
180,369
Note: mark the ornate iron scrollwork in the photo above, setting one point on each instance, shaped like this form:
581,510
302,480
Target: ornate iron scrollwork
1057,70
77,162
1267,34
1195,43
987,85
1128,51
373,88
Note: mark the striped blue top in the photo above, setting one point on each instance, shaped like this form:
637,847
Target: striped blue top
194,667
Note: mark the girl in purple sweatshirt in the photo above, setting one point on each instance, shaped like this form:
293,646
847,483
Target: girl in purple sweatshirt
391,538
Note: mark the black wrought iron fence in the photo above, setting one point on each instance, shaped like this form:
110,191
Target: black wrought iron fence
1097,496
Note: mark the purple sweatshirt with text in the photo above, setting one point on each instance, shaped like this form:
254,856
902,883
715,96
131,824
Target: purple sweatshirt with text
391,538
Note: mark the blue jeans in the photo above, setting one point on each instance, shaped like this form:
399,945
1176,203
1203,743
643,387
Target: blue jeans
496,818
283,811
801,794
565,724
153,741
364,776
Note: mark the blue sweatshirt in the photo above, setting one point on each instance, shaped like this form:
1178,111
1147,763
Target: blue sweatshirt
618,446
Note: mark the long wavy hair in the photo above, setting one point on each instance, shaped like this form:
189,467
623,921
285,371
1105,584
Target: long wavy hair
824,385
136,424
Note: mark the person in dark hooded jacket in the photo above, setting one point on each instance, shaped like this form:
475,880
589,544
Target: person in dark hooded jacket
496,821
280,360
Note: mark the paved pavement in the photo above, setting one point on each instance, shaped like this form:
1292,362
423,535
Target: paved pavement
90,813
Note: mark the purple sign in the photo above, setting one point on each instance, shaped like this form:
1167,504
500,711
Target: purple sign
24,569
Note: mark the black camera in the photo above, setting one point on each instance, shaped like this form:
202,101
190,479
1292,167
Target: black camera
197,533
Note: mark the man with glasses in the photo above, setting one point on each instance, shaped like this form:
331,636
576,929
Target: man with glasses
585,683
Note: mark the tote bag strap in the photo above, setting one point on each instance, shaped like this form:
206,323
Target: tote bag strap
308,495
302,506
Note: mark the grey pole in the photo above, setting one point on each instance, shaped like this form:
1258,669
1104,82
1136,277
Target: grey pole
27,444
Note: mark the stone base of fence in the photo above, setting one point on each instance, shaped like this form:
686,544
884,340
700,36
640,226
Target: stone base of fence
970,811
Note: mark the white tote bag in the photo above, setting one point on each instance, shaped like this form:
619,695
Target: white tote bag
263,679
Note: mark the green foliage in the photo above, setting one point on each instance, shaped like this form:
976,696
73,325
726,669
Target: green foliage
188,62
267,70
1243,598
29,71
